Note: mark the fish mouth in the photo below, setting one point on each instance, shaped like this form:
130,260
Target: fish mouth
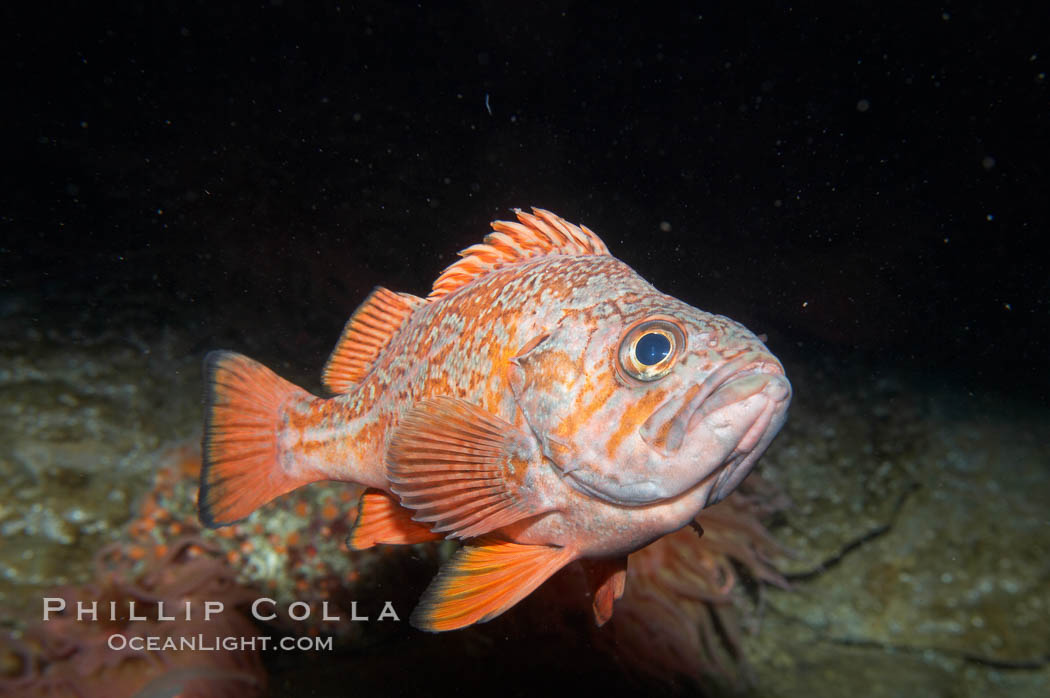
733,382
772,392
710,436
736,424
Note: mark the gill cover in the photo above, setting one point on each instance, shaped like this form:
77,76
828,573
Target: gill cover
585,406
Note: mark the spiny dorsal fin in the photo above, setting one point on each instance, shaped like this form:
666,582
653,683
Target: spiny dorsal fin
534,235
365,335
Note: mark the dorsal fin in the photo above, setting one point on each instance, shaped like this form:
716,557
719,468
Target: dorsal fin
365,335
534,235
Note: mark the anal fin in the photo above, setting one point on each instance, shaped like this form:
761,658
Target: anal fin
381,520
482,581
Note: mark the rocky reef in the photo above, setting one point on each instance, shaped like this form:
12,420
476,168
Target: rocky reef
896,542
920,547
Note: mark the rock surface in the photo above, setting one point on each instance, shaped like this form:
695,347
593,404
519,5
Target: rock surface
918,529
84,412
921,543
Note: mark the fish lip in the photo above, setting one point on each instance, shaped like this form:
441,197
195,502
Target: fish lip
769,385
744,364
771,420
667,428
711,404
750,364
725,472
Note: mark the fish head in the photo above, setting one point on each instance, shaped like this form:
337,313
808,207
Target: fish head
643,400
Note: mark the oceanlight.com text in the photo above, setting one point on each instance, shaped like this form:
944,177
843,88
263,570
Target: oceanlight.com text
217,643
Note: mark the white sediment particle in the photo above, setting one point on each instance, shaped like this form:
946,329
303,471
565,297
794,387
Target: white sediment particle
76,515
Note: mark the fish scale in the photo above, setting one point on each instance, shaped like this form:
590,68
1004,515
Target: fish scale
509,410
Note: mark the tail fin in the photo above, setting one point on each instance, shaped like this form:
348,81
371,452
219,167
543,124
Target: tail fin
242,413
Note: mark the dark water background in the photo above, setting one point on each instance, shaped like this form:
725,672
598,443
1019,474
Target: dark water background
856,179
865,183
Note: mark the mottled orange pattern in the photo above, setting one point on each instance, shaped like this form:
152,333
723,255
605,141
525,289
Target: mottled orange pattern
544,404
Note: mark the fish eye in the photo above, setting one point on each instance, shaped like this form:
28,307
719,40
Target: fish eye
649,349
652,348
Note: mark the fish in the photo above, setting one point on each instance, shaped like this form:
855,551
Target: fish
543,404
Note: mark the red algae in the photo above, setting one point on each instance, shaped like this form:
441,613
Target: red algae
296,553
681,615
111,638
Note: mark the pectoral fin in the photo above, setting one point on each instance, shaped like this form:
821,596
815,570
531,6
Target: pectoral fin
608,578
380,519
461,469
482,581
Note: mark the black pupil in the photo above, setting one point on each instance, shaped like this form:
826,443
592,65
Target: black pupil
652,348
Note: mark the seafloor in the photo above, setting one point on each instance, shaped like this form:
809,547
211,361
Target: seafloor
917,533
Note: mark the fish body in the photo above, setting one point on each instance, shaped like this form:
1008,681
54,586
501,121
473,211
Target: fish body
544,404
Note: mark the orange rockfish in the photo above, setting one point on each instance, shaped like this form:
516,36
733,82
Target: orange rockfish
544,404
